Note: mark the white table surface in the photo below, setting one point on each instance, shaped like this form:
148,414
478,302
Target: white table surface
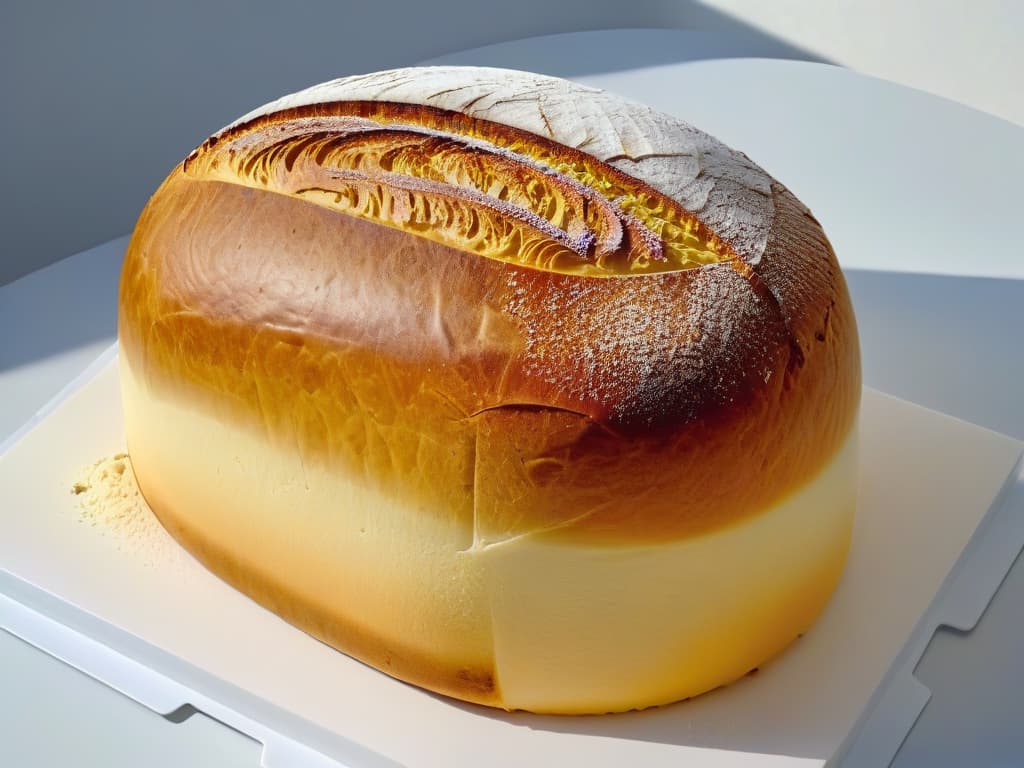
916,193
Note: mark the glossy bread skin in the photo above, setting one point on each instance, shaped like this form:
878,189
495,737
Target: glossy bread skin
518,338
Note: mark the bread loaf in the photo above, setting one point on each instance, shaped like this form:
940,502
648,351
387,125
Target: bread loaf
509,387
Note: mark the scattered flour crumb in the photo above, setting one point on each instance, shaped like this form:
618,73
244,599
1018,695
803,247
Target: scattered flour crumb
110,501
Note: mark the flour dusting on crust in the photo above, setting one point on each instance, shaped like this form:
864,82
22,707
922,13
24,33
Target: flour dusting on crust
722,187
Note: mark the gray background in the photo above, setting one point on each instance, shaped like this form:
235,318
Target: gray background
102,98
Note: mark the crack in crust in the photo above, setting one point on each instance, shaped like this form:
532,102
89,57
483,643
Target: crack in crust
478,186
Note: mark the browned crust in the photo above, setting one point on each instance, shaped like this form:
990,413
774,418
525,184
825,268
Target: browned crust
423,361
286,151
514,398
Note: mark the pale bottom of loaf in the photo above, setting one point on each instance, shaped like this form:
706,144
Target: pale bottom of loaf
531,623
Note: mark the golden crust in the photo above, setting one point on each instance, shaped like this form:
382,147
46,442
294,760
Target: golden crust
698,393
477,185
513,338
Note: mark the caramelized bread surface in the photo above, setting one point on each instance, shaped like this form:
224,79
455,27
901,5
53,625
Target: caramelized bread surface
509,309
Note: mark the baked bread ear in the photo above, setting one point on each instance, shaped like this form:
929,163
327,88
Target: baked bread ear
512,388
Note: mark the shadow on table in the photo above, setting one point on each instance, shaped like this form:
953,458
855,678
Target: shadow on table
949,343
61,307
709,34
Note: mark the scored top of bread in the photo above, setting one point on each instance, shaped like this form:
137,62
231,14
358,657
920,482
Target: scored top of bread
576,297
721,186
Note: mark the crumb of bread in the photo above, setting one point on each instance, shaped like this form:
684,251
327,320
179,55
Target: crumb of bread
109,500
